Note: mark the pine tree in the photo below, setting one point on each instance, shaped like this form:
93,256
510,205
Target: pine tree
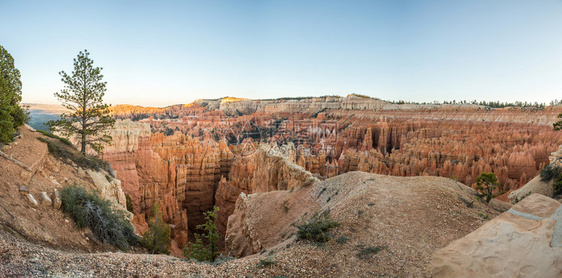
200,251
486,183
11,114
83,96
157,239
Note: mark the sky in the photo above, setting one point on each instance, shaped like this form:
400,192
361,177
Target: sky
158,53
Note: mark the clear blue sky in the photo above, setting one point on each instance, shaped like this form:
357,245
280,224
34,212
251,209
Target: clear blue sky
165,52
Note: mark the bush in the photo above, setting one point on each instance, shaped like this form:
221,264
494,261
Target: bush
316,229
267,262
64,140
550,172
129,203
12,115
157,239
200,251
89,210
366,252
557,185
66,153
342,239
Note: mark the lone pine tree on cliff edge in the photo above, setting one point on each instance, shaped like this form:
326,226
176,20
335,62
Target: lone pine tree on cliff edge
83,96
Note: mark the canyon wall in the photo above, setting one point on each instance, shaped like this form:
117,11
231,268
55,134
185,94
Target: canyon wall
191,157
178,172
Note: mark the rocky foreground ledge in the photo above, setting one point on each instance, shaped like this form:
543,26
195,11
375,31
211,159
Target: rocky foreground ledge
525,241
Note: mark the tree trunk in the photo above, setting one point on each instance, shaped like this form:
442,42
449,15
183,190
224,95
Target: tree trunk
83,143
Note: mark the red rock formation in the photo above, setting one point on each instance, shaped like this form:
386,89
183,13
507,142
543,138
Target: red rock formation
179,172
268,169
183,155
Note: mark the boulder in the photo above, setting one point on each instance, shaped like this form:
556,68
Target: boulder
32,200
500,206
45,200
56,199
24,190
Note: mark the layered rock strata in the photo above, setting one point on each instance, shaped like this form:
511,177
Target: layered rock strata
178,172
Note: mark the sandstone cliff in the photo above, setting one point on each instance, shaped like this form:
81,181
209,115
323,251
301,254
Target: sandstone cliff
179,172
270,168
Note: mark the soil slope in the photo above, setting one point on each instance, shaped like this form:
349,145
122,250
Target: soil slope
40,172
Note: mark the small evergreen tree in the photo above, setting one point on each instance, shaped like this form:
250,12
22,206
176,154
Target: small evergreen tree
83,96
157,239
198,250
486,183
558,125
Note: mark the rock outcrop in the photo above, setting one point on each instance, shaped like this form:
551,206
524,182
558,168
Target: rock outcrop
402,215
525,241
270,168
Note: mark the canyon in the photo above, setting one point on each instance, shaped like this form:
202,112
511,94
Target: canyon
400,186
189,158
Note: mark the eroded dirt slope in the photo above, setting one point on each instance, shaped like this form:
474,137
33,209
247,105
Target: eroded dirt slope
40,172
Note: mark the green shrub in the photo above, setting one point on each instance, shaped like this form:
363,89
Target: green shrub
157,239
63,140
89,210
316,229
366,252
223,259
129,203
12,115
550,172
267,262
342,239
484,216
557,185
66,153
200,251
